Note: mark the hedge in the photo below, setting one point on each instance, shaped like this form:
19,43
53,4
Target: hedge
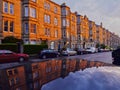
28,49
12,47
34,49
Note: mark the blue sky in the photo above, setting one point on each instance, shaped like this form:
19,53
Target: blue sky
105,11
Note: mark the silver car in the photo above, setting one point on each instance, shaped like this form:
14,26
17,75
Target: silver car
69,52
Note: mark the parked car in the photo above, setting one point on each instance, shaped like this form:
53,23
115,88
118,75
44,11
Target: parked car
9,56
49,53
81,51
91,50
69,52
116,56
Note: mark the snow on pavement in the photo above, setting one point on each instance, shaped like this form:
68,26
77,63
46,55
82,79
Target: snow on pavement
102,78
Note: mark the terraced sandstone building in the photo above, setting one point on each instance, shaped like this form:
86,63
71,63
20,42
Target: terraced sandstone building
68,27
44,21
41,22
10,19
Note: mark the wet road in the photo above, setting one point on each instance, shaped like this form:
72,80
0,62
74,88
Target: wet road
104,57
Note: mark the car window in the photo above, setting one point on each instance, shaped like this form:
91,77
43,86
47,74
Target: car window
51,50
45,51
88,48
68,49
8,52
1,52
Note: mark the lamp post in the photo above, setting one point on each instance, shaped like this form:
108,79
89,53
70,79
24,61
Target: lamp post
19,47
59,46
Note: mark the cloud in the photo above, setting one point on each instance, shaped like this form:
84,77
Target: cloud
106,11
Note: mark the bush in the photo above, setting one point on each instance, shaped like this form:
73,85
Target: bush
97,45
28,49
34,49
102,46
11,39
8,46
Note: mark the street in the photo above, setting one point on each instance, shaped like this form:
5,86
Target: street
50,70
103,57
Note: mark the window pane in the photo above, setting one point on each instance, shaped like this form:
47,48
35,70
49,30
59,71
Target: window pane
26,11
5,7
48,32
55,9
45,18
55,21
26,28
64,22
48,19
45,5
33,12
56,33
5,25
11,26
68,23
48,6
33,28
63,11
11,9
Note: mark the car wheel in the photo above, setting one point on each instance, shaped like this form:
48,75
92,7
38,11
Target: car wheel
44,56
68,54
21,59
75,54
81,53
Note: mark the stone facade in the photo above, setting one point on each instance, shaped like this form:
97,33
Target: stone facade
69,27
47,22
44,21
11,17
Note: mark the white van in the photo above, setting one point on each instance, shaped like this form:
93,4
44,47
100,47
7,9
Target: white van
91,50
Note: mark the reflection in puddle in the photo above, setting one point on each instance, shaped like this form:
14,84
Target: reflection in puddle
32,75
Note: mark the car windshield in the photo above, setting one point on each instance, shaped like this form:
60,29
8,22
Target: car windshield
88,48
80,49
68,49
49,50
45,51
6,52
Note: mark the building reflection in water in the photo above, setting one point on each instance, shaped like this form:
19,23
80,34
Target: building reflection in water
32,75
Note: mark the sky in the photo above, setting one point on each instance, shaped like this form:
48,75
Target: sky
102,78
105,11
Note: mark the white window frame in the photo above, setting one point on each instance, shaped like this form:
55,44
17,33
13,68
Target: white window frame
56,21
32,12
12,26
5,7
48,18
55,9
64,22
56,33
68,23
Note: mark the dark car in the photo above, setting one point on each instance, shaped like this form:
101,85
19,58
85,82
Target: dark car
116,56
81,51
49,53
9,56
